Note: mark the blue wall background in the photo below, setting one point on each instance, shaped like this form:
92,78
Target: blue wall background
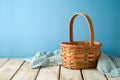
28,26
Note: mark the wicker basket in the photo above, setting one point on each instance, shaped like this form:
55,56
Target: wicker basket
80,54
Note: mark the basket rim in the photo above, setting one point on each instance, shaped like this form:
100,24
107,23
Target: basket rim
96,43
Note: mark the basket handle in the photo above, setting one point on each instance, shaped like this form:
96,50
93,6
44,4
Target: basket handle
89,24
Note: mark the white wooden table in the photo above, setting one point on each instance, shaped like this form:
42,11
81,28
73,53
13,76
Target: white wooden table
17,69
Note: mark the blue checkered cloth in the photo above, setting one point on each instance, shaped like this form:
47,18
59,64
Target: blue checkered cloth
45,59
109,65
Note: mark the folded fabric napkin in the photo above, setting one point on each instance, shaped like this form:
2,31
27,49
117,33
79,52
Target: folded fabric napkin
45,59
108,65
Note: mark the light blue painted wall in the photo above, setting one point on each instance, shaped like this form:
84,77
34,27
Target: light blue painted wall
28,26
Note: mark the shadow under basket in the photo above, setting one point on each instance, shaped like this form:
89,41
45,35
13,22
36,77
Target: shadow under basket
80,54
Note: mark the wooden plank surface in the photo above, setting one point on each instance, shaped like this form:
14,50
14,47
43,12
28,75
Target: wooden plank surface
10,68
17,69
68,74
93,74
48,73
26,73
2,61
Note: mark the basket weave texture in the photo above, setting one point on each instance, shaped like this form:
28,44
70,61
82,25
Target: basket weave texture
80,54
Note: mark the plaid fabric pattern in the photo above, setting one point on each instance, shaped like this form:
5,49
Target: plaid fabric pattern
109,65
45,59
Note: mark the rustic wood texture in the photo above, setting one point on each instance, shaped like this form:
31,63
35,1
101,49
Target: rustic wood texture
48,73
68,74
25,73
17,69
92,74
2,61
10,68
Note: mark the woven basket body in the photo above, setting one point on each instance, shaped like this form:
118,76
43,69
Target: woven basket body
80,54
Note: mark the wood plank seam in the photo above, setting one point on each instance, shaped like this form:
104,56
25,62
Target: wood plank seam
7,66
17,70
25,73
93,74
81,74
8,69
106,77
59,72
37,73
4,63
